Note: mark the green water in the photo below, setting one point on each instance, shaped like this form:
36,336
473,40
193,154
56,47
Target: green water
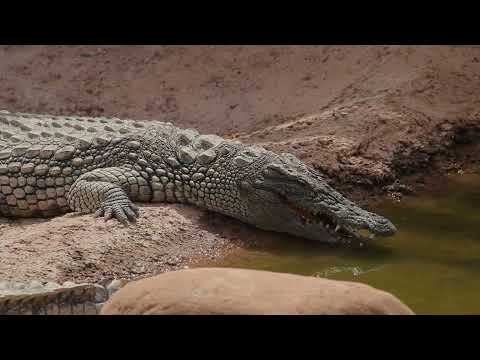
432,264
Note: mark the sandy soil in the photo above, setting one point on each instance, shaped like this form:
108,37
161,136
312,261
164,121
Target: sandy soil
364,115
80,248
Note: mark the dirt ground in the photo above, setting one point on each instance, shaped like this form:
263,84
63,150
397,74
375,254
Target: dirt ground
364,115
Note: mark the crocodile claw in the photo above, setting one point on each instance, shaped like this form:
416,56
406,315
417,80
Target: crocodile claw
124,212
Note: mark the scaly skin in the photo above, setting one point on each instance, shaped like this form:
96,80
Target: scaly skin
55,164
49,298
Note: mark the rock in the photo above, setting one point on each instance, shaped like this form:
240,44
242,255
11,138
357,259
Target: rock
239,291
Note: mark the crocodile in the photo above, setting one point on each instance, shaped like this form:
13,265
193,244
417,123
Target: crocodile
50,298
52,164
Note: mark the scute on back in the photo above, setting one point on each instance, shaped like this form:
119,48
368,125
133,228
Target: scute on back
21,129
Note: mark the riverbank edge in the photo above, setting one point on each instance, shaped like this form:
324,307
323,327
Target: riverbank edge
416,169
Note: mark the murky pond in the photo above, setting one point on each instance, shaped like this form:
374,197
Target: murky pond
432,263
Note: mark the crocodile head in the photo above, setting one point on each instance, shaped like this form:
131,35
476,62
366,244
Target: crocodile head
285,195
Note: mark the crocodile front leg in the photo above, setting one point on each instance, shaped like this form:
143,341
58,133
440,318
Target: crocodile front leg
107,192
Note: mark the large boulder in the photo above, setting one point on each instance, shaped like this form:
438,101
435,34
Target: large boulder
239,291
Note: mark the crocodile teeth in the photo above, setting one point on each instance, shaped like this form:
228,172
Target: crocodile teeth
337,228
